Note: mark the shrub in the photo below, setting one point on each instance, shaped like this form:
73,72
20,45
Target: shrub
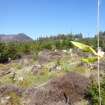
8,50
93,94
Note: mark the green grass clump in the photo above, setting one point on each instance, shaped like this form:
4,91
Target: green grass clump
17,66
31,79
93,93
66,67
14,99
81,69
5,80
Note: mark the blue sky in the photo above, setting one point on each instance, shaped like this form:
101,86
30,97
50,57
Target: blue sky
50,17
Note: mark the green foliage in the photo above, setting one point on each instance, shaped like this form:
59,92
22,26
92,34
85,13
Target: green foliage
93,93
8,50
66,67
15,50
90,59
84,47
14,99
87,48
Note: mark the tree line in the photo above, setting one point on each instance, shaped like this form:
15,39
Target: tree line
14,50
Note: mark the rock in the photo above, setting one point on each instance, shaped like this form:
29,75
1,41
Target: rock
20,79
65,51
101,65
4,100
36,69
55,67
58,68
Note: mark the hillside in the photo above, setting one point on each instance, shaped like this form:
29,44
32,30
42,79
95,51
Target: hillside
15,38
49,71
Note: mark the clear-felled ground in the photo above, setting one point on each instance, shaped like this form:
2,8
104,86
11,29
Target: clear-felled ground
55,78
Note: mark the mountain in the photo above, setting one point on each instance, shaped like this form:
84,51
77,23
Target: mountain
21,37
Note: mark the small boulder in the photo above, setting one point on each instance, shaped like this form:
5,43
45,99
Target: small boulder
36,69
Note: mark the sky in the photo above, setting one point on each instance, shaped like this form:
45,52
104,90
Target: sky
50,17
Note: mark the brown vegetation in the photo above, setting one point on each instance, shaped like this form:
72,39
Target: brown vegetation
65,90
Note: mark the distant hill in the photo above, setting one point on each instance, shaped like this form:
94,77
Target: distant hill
21,37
